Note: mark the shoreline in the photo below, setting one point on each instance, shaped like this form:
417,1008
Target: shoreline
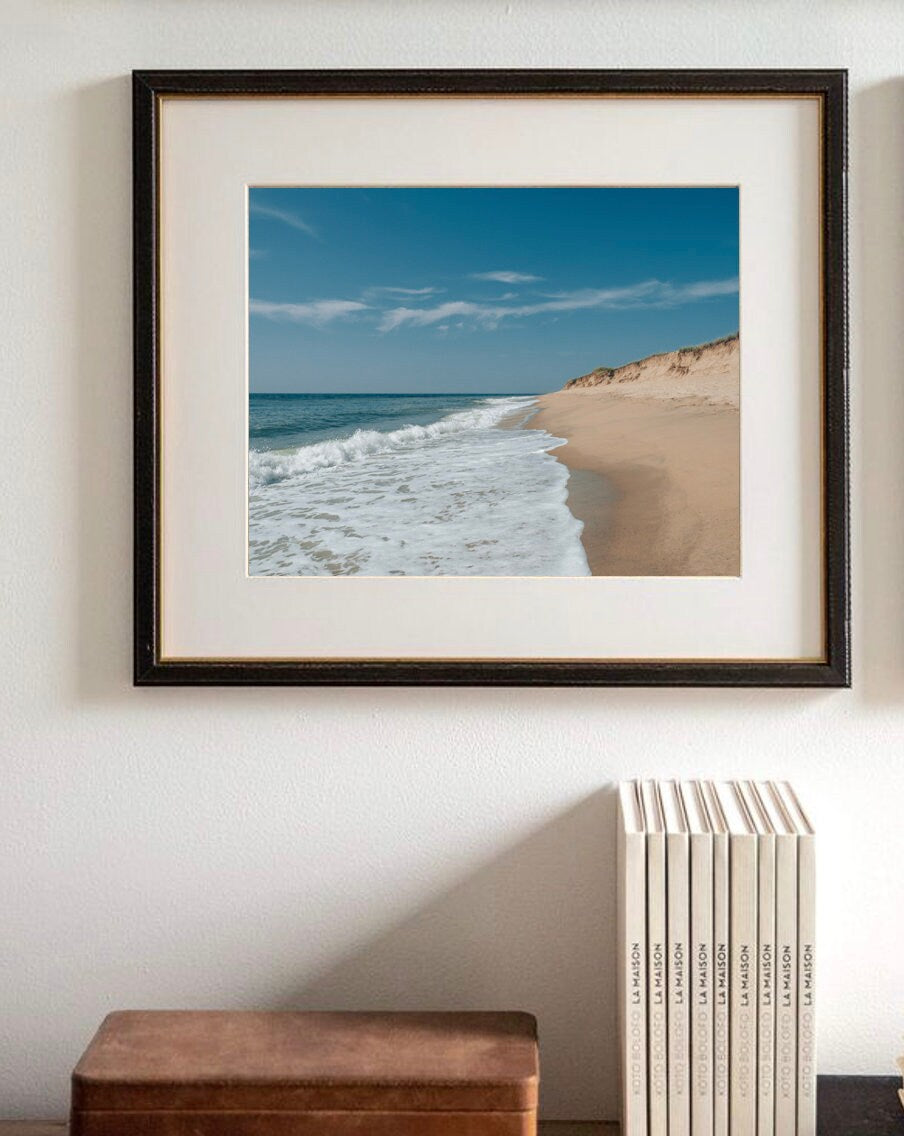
654,466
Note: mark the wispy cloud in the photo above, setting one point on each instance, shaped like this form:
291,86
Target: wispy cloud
284,215
410,294
424,317
318,313
648,294
505,277
489,314
708,288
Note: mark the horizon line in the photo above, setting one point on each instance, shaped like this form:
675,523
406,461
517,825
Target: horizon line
518,394
395,394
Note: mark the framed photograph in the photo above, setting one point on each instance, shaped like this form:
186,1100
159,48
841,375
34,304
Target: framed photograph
491,377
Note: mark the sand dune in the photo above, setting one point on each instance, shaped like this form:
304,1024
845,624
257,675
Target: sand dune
654,453
709,372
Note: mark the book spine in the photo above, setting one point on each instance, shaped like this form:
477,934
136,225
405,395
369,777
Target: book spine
632,980
766,987
701,986
721,940
677,970
742,983
806,1006
657,1011
786,986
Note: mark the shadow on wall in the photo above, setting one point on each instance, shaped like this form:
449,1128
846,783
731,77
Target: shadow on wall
99,473
101,292
533,930
877,394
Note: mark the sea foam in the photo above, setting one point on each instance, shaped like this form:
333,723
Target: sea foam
457,497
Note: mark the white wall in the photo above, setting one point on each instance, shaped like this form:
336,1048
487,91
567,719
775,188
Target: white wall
280,848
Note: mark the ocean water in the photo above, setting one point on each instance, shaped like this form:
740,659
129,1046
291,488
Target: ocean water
406,485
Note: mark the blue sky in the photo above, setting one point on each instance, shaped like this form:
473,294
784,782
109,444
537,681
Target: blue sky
481,290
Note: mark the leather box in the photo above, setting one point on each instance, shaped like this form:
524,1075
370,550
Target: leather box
220,1073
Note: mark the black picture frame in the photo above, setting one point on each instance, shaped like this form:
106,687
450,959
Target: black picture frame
829,86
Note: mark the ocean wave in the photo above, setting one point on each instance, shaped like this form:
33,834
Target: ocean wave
457,497
268,467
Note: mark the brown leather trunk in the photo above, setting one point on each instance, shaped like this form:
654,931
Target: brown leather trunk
222,1073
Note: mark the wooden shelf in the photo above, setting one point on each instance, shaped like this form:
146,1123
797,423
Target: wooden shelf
547,1128
847,1105
32,1127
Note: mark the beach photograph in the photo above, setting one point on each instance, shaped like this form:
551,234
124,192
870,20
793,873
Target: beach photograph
493,382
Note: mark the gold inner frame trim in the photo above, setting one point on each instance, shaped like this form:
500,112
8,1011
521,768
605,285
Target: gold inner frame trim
464,661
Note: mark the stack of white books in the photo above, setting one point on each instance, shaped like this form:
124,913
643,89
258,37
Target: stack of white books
716,929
